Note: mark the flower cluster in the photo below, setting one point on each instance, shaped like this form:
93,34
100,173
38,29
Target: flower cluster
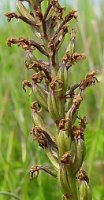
53,94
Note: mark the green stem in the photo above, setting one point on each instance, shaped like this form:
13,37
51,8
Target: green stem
10,195
72,183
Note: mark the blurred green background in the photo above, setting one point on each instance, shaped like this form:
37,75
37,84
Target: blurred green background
17,150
